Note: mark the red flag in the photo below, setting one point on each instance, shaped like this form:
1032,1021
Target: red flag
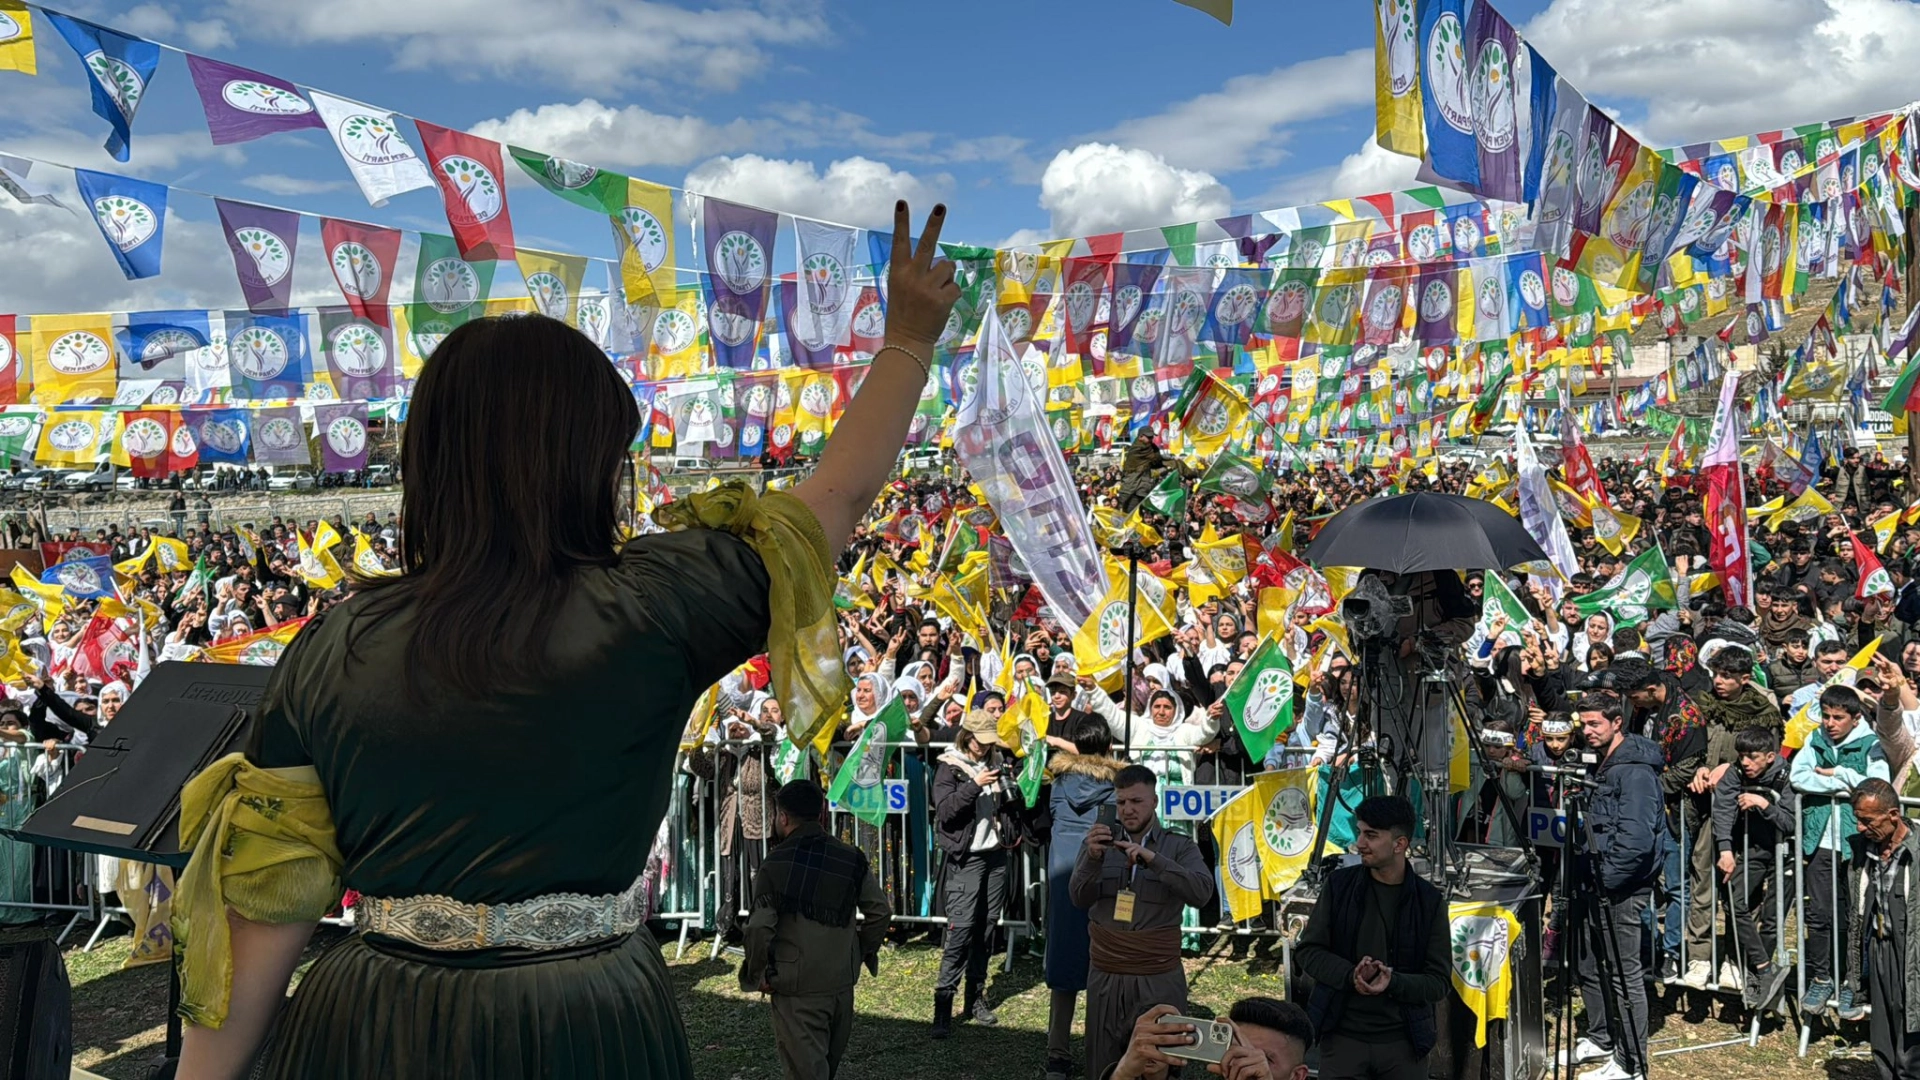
9,361
363,259
55,552
1725,504
1578,464
868,330
472,184
1873,576
109,649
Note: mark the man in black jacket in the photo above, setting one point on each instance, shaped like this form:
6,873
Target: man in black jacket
1377,947
1753,809
973,874
1625,848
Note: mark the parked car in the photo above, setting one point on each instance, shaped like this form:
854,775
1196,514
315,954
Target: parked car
99,479
289,480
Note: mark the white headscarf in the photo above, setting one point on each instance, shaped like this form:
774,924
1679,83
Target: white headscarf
882,694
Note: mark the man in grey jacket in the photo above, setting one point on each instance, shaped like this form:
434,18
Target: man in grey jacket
1753,813
803,946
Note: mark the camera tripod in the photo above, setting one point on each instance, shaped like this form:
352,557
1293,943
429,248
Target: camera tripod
1592,903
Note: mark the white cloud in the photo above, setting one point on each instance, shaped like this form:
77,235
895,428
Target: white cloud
1243,124
159,23
629,137
1101,188
281,184
1367,171
582,43
1709,69
853,191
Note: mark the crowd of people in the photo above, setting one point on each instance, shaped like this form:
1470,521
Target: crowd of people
1730,759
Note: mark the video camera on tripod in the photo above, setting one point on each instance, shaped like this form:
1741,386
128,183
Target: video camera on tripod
1371,613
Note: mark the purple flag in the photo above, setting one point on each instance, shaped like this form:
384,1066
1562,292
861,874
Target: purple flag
1132,289
360,354
262,240
280,438
739,249
1496,80
343,436
1436,299
813,355
243,105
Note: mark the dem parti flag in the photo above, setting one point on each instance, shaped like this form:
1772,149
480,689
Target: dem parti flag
1261,699
1726,501
377,154
242,105
343,436
858,787
118,68
263,241
739,249
132,215
363,259
468,170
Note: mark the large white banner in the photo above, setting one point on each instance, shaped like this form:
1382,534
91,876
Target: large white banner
1003,439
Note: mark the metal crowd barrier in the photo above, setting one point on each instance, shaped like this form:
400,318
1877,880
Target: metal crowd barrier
38,882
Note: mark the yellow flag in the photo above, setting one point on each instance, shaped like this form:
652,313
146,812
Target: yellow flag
1811,504
1283,540
1236,833
1100,644
1460,761
1884,528
76,437
553,282
16,611
16,38
165,553
677,332
1483,936
1221,563
643,229
317,564
365,560
1284,802
1270,617
700,720
1397,105
73,358
1025,720
51,599
1808,717
1614,530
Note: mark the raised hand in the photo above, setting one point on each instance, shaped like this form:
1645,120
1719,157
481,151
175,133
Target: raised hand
921,291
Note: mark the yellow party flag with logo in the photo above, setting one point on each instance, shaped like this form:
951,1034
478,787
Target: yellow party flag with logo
643,230
16,38
1884,528
166,554
1284,802
1025,720
1483,936
317,564
365,560
1271,616
553,282
1236,834
1221,562
678,333
76,437
73,358
1811,504
1100,644
1613,529
50,599
16,611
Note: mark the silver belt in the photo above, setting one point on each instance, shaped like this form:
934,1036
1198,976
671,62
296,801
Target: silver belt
555,921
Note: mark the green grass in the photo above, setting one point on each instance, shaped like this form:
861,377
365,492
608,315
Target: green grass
119,1018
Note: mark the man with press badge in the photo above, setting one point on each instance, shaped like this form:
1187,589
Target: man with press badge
1134,878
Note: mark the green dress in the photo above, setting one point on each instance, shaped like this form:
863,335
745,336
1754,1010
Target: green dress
559,791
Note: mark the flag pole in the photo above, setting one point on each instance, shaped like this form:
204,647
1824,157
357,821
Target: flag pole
1133,601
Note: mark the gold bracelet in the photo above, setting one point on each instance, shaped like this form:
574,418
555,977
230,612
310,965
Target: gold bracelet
925,371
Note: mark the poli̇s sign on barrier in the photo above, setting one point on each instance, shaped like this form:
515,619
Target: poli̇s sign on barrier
894,792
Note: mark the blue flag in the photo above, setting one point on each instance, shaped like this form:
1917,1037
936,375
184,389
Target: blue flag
153,338
224,435
1527,291
119,68
268,356
83,578
1446,92
132,215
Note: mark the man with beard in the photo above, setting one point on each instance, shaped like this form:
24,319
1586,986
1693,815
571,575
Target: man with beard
1662,712
802,944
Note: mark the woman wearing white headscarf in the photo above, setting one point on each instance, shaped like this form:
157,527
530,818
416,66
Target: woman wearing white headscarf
1158,739
739,748
871,696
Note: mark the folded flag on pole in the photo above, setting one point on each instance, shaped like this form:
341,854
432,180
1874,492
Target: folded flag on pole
1169,497
858,787
1233,473
1261,699
1873,577
1497,601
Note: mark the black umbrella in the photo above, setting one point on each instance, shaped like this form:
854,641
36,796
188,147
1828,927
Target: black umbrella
1423,530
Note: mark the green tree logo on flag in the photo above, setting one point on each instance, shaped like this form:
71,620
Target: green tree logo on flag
1261,699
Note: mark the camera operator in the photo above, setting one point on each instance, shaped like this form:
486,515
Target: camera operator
1625,846
967,797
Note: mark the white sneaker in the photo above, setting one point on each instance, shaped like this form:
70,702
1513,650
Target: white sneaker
1610,1071
1585,1052
1699,973
1731,977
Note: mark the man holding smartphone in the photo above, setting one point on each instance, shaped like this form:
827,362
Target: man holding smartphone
1134,878
1270,1040
1375,1016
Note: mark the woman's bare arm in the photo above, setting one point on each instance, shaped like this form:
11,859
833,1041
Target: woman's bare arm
264,956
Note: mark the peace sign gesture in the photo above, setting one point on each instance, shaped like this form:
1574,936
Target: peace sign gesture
920,289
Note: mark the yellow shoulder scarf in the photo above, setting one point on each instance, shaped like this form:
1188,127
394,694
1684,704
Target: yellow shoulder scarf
803,642
263,846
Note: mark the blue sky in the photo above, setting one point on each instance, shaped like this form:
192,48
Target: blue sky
1031,118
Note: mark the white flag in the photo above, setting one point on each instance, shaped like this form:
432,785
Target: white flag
369,139
13,181
1003,439
1539,512
823,301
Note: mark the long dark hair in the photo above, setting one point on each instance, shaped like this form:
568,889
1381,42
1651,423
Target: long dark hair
514,444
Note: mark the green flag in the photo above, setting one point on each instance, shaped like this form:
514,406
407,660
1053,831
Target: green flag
1169,497
787,761
1033,771
16,429
1261,699
447,289
1497,600
859,788
1901,392
200,580
1645,586
1233,473
582,185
